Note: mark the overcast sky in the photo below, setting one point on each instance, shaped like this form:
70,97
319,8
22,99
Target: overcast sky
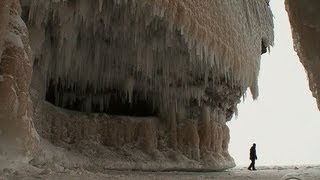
284,121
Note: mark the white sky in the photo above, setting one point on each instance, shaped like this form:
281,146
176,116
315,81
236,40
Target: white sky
284,121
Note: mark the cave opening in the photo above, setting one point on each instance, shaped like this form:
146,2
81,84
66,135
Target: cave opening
110,101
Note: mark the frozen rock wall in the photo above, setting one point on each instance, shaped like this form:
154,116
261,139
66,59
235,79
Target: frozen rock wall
304,18
17,133
135,84
4,14
141,143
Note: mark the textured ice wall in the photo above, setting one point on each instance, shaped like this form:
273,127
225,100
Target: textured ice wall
4,13
135,143
305,21
167,51
17,133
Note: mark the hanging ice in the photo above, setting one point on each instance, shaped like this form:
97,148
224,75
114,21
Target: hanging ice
165,47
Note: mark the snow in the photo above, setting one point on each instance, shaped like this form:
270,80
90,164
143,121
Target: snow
20,170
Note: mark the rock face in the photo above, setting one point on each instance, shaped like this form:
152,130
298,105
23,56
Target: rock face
304,19
17,133
145,85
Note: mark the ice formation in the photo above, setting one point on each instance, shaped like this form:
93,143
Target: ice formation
150,83
17,133
4,13
304,18
169,49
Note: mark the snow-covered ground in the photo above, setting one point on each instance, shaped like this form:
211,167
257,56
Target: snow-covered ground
54,163
24,171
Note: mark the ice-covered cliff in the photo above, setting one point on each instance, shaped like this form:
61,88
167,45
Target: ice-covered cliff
305,22
144,84
17,133
165,52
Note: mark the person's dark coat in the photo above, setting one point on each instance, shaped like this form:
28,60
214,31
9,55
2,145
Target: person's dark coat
253,154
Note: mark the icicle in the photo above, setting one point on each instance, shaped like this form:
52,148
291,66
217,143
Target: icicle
236,112
117,1
129,85
93,51
100,5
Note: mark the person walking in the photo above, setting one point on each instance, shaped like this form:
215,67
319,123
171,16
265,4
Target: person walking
253,157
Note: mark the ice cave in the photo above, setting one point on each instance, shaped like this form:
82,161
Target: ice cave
130,84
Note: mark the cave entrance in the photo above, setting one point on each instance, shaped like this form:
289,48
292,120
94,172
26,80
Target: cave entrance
108,101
